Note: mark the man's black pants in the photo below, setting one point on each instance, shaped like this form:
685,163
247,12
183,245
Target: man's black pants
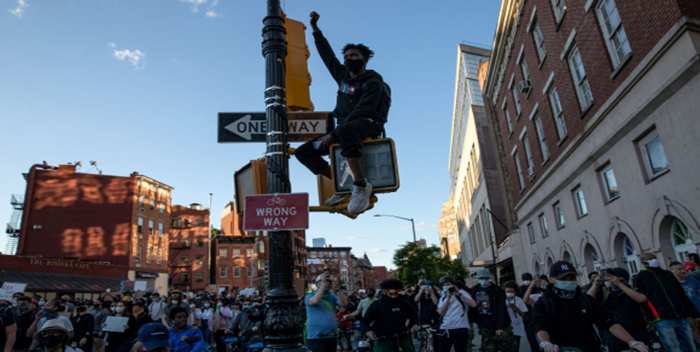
322,345
459,338
349,135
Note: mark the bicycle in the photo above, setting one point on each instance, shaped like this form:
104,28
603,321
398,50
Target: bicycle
425,338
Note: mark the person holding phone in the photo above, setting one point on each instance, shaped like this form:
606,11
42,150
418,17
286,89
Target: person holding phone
320,312
453,307
516,311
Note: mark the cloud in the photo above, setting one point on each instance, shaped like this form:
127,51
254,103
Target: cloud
195,4
20,9
111,44
378,250
136,57
421,226
362,238
212,14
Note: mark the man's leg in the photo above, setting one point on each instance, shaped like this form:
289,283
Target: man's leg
312,158
444,340
684,335
460,339
666,330
489,342
350,137
406,344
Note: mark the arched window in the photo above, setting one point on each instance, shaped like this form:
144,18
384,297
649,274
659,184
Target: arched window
682,240
631,257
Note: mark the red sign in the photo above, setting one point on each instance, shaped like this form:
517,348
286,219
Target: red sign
273,212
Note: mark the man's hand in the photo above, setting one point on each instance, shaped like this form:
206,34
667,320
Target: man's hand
616,280
639,346
314,20
499,332
547,346
415,329
38,315
83,341
326,142
598,280
371,336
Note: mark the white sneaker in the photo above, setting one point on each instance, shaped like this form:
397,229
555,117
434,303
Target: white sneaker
359,199
337,198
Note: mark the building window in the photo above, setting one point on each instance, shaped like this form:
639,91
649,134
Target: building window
161,207
519,171
539,42
149,254
580,203
150,227
176,222
508,121
541,138
249,252
200,241
558,113
199,277
313,269
236,271
160,255
559,8
531,232
261,264
614,33
235,252
250,270
654,155
578,73
160,229
261,247
525,69
185,259
559,215
139,249
222,271
200,222
184,278
199,259
543,226
142,201
516,99
139,227
610,183
152,203
528,156
312,255
343,254
185,241
223,253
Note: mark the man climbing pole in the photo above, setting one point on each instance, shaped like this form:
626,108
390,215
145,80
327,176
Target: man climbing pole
361,111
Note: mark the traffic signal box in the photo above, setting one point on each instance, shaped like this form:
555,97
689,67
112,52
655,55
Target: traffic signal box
250,179
297,75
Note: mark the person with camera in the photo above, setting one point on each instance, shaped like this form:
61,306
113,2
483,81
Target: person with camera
453,307
390,320
492,317
321,326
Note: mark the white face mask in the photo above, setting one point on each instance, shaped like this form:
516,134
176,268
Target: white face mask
184,301
119,309
113,309
192,306
510,294
527,282
653,263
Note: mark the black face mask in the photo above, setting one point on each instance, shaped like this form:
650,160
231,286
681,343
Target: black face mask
354,65
82,309
51,341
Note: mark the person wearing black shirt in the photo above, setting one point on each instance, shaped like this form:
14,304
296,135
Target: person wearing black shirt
83,325
8,327
389,315
121,341
492,317
140,314
24,319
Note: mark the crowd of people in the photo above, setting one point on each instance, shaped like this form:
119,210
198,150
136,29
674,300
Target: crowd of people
613,312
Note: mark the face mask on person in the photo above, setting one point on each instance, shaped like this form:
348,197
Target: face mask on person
445,288
163,299
219,304
354,65
246,306
184,301
527,282
510,294
51,341
207,305
49,313
119,309
567,285
23,309
41,303
192,306
653,263
114,309
175,302
484,282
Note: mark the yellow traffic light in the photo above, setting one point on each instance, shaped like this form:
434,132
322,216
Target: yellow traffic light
297,75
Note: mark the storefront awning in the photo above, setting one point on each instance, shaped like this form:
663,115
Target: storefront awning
144,274
52,282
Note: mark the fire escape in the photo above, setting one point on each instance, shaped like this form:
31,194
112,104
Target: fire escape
13,226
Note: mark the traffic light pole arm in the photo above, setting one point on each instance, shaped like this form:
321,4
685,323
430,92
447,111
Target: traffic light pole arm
413,225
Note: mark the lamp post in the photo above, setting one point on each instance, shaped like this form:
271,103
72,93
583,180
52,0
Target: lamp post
413,225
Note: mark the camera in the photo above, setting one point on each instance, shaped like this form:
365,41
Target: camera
451,289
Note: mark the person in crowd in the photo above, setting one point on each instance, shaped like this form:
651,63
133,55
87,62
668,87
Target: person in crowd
623,302
242,324
692,264
69,306
195,318
84,324
516,310
222,319
320,312
592,276
564,315
530,294
101,311
120,341
140,314
427,299
176,299
493,319
53,337
23,319
157,307
49,312
669,305
527,280
8,326
206,317
453,307
389,321
180,331
152,337
365,303
691,287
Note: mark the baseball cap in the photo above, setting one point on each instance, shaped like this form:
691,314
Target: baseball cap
526,276
154,335
483,272
561,269
621,272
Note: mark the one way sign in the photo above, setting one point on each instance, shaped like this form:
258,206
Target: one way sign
252,126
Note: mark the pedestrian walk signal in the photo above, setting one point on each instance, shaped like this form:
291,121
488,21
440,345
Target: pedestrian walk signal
379,167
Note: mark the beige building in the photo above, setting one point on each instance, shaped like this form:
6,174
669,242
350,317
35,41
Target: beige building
447,230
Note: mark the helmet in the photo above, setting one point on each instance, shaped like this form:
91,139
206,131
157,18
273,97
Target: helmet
445,279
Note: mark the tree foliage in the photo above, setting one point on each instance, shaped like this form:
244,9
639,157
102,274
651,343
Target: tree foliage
413,262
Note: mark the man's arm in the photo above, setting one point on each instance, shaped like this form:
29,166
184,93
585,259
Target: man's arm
433,296
594,287
10,335
369,100
443,305
634,295
337,70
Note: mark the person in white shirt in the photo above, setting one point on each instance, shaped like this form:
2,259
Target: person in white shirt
453,307
157,307
516,310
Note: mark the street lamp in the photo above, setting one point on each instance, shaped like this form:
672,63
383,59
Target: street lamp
413,225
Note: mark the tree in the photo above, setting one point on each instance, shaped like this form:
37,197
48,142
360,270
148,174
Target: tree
413,262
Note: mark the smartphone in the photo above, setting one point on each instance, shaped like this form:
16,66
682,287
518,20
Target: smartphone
603,274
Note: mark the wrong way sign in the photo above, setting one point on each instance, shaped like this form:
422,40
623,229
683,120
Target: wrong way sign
252,126
273,212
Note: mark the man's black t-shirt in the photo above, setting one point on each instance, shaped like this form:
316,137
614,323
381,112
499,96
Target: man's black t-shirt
23,323
8,319
626,312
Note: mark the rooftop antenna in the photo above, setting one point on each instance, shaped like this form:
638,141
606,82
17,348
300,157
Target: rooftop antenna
94,165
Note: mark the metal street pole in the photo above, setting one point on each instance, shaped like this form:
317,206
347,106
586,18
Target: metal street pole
402,218
413,225
283,326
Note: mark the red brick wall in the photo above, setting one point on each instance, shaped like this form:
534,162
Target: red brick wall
20,263
157,239
177,250
645,22
380,274
243,261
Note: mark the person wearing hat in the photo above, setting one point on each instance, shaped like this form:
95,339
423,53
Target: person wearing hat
623,302
320,312
390,320
453,307
669,305
492,317
47,313
54,337
84,324
152,337
564,315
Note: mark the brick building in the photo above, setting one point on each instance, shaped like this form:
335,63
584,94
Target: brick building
235,263
593,105
338,262
364,273
447,230
104,219
380,274
189,259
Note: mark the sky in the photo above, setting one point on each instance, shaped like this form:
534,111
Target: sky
137,86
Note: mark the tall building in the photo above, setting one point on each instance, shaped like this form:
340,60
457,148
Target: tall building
114,220
478,197
189,259
235,263
447,230
593,104
336,260
319,242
